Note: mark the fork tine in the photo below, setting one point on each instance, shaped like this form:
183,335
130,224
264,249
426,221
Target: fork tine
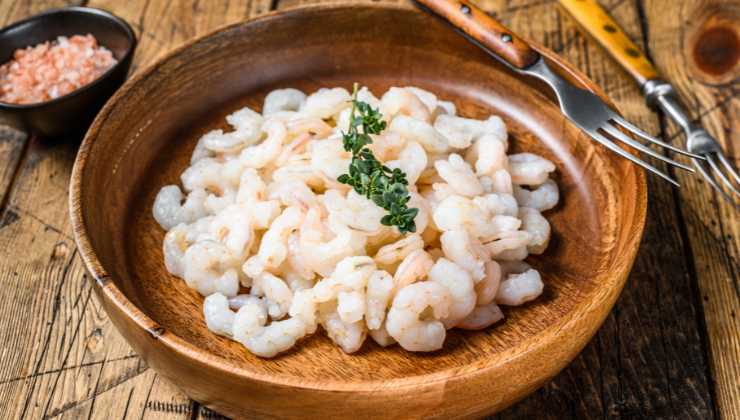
721,174
703,171
618,150
729,167
637,131
614,131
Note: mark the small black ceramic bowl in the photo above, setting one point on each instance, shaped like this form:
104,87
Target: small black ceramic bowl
72,112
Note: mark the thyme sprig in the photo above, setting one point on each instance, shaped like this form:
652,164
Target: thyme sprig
386,187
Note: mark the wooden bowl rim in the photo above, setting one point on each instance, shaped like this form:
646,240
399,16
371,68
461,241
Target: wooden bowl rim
109,291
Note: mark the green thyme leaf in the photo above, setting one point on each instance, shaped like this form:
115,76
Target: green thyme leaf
384,186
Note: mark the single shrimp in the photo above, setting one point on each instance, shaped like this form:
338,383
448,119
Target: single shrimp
486,289
520,288
265,341
412,161
542,198
459,175
219,317
401,101
283,100
347,335
482,317
466,251
264,153
538,228
325,103
529,169
413,268
421,132
378,296
389,255
209,267
404,320
275,292
461,289
381,336
169,210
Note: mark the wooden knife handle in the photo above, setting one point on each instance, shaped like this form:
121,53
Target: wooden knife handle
484,29
597,22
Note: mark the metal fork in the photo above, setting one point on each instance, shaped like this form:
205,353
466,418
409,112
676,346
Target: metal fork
712,163
583,108
715,164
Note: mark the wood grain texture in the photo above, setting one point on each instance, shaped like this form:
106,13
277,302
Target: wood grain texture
648,359
707,82
67,360
603,29
486,30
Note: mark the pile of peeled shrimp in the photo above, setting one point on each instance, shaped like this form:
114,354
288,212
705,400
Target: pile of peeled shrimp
263,229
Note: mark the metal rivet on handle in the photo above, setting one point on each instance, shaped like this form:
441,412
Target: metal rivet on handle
465,9
506,38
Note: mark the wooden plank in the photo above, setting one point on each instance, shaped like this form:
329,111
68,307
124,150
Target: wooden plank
66,359
686,50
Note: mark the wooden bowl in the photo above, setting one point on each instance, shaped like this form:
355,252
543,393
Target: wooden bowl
143,138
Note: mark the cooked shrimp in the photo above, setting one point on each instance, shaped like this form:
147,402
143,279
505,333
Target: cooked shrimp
326,102
482,317
466,251
251,187
381,336
274,245
275,292
219,318
413,268
351,306
538,228
461,288
174,246
501,182
529,169
351,274
491,155
421,132
209,267
412,160
264,153
283,100
498,204
232,226
315,127
247,125
354,211
347,335
389,255
460,132
292,192
404,320
542,198
326,254
265,341
509,241
378,296
304,307
459,176
169,210
486,289
519,288
387,146
399,101
330,158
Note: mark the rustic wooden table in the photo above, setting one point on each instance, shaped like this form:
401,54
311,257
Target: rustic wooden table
670,348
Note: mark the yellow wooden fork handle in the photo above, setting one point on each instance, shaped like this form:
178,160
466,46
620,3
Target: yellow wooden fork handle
597,22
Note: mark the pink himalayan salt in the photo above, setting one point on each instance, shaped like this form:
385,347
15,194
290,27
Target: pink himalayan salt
53,69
